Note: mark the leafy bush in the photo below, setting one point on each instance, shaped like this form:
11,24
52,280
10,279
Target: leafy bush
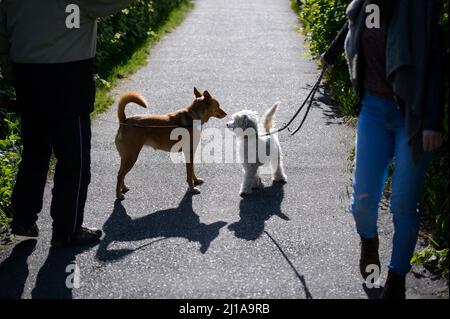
120,34
432,259
321,21
434,198
9,150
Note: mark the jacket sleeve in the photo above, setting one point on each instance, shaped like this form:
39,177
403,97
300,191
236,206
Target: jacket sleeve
101,8
435,98
337,46
5,63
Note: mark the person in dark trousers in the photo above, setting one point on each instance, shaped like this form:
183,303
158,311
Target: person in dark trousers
47,48
396,69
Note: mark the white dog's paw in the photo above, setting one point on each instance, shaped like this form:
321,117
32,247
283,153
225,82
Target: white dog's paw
282,179
245,192
258,184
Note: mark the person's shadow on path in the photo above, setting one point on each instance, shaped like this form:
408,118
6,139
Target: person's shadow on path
256,209
372,293
179,222
14,270
58,275
54,279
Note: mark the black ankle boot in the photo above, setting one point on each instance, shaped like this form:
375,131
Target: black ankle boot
86,236
394,288
369,255
25,231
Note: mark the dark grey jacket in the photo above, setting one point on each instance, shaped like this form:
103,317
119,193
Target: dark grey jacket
414,61
36,31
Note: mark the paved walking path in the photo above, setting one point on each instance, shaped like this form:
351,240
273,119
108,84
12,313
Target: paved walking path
296,241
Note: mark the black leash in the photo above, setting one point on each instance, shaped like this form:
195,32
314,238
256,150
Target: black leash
143,126
285,126
309,98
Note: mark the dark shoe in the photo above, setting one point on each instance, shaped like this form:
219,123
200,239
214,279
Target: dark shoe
394,287
26,231
369,255
86,236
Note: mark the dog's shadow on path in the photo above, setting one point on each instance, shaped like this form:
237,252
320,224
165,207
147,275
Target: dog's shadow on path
179,222
256,209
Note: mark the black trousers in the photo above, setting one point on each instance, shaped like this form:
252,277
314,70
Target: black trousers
70,140
54,101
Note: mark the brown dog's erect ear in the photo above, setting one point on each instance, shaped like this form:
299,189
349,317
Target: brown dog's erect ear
197,93
207,95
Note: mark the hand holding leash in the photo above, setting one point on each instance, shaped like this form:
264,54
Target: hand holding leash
309,98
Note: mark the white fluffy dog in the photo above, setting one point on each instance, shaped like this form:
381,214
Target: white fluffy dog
256,150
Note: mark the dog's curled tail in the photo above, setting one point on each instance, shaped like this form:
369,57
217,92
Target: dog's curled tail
129,97
267,118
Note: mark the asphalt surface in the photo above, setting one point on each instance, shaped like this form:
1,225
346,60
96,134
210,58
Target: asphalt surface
292,241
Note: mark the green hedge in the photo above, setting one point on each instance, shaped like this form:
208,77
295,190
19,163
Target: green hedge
321,20
10,150
119,35
118,38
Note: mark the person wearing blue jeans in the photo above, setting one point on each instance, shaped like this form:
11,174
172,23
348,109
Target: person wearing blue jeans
381,138
396,71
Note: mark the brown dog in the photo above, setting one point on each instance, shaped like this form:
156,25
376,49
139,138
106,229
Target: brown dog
154,130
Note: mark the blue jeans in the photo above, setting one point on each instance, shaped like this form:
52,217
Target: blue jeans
381,138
